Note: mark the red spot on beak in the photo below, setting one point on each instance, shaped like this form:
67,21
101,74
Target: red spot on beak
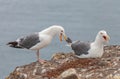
105,38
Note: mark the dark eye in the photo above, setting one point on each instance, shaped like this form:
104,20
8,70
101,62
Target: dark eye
61,30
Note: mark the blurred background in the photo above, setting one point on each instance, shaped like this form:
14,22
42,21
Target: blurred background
82,19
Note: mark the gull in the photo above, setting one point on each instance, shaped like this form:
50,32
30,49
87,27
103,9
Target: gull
39,40
90,49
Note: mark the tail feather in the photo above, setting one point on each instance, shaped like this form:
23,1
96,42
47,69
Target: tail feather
13,44
68,40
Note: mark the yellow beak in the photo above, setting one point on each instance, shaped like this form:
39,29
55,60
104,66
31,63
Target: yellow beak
65,37
62,35
108,37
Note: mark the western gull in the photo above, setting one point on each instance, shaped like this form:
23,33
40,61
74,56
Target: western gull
38,40
90,50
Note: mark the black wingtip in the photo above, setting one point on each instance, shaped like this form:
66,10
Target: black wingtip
13,44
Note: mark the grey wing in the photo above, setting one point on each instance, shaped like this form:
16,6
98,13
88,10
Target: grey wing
29,41
80,47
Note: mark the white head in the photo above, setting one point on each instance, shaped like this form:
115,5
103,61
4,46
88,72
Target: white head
102,37
54,30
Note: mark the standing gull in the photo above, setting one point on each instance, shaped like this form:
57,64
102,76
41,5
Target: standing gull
90,50
38,40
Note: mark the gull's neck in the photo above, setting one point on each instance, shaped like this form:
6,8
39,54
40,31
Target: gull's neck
98,42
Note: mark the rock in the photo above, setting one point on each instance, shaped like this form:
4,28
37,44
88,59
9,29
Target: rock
111,76
59,67
69,74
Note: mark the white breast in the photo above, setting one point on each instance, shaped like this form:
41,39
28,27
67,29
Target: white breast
95,51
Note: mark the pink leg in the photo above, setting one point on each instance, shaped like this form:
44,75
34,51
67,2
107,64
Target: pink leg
38,57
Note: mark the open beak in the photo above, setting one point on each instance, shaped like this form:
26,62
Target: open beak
61,36
106,37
